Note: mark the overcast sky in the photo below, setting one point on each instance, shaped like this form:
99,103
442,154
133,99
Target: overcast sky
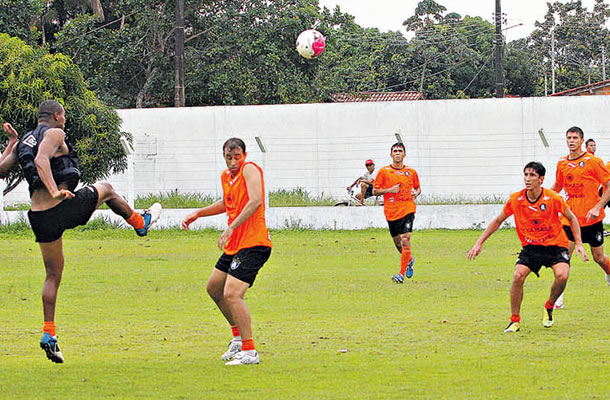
388,15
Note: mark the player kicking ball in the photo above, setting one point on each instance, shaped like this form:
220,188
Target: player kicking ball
537,218
51,169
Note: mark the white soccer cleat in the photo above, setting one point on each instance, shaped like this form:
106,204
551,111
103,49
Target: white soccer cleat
245,357
155,212
547,319
150,216
234,348
608,279
559,303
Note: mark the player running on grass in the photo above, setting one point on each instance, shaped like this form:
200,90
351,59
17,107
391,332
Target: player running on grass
50,167
536,211
399,186
580,174
245,243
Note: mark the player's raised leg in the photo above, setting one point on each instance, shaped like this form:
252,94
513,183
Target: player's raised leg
140,222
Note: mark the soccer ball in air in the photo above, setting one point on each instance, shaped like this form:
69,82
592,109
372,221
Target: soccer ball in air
310,43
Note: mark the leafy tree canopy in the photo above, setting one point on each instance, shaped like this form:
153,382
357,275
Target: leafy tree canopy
242,52
30,75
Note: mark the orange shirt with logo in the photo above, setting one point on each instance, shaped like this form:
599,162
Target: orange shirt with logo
253,232
539,222
397,205
581,179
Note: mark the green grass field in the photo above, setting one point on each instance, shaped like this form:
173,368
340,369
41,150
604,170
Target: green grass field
134,321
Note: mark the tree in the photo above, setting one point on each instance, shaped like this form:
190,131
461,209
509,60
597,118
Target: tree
519,73
235,52
58,13
572,38
451,55
29,75
18,17
427,13
128,62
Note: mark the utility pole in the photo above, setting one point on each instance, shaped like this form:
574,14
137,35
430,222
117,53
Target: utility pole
553,61
499,72
603,62
546,86
179,54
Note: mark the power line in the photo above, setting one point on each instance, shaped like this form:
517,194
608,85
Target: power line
99,27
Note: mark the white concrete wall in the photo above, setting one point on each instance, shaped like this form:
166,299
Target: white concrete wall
348,218
462,149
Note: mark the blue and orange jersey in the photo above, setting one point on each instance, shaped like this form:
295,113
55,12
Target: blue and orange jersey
397,205
581,179
538,222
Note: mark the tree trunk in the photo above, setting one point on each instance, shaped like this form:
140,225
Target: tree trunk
142,93
96,6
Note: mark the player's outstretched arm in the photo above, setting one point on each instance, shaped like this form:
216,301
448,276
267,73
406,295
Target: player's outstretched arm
8,159
491,228
578,247
213,209
254,185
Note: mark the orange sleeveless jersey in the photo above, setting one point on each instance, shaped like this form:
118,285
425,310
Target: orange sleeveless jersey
253,232
397,205
580,179
538,223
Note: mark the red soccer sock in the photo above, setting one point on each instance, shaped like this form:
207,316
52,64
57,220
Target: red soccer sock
235,330
49,327
247,344
515,318
135,220
405,257
548,305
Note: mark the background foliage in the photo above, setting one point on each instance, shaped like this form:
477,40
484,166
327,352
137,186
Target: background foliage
29,75
242,52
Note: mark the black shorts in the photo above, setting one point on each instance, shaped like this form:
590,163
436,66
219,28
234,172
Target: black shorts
592,234
402,225
534,257
245,264
49,225
369,191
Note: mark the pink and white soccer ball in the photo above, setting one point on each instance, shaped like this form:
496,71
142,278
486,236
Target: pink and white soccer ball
310,43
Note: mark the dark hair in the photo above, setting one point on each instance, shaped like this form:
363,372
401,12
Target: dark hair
536,166
47,108
234,143
589,141
398,144
576,129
